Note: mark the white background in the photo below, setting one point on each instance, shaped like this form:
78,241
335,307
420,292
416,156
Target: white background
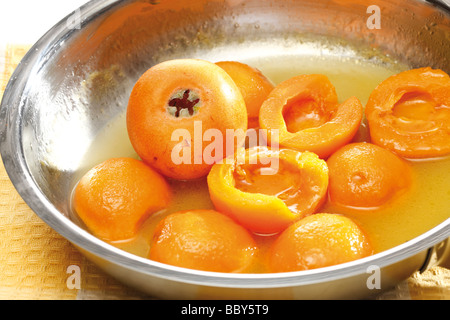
25,21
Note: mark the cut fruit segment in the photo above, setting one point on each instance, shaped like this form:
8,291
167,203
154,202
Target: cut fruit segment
266,190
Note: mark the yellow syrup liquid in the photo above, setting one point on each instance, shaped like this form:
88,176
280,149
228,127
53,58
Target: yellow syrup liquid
423,207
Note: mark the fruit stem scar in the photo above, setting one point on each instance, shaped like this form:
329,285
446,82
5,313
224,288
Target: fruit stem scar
180,104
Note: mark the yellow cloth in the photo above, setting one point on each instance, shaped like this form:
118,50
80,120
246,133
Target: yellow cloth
34,259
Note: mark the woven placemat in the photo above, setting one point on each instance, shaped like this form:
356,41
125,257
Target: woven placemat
36,262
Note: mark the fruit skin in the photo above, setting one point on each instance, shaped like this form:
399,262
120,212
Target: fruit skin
151,127
366,175
261,213
409,113
318,241
254,86
203,240
337,124
116,196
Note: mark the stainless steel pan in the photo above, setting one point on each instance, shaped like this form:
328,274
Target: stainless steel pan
49,117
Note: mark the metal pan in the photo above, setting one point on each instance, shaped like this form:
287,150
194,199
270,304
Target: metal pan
49,118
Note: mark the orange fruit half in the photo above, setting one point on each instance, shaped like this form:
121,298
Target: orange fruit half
116,196
267,190
409,113
318,241
308,117
171,108
203,240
